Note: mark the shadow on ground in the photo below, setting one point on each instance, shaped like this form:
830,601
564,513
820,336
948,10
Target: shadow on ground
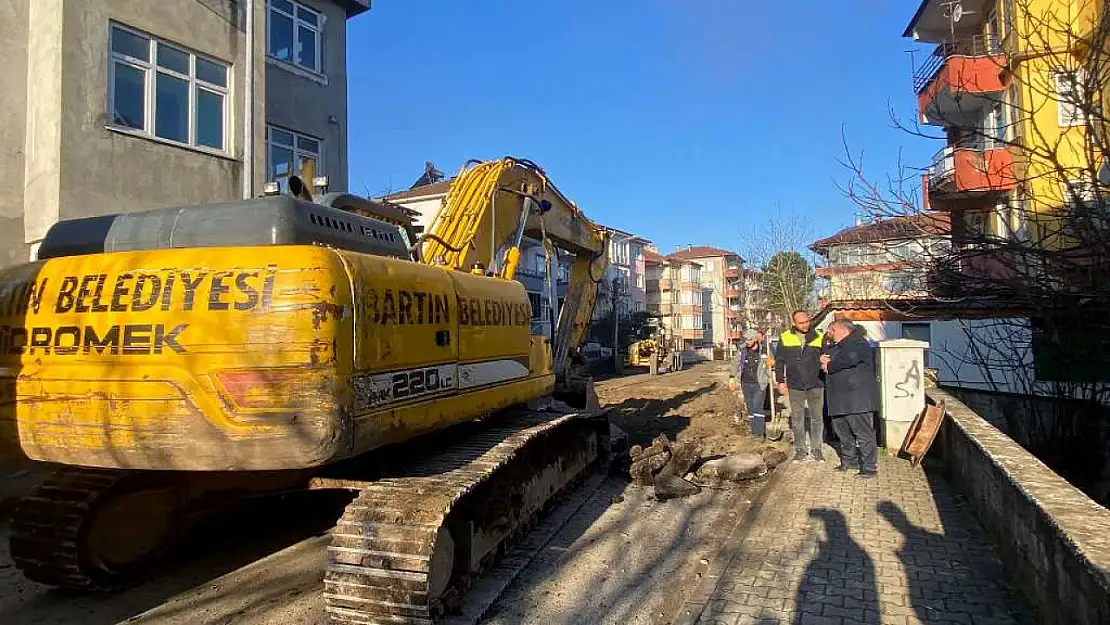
644,418
223,543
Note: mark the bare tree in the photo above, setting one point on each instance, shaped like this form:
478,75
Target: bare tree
788,286
1021,175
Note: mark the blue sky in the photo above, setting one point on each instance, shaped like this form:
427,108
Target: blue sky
684,121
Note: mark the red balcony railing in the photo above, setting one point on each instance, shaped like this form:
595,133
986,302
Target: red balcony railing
972,65
977,46
961,170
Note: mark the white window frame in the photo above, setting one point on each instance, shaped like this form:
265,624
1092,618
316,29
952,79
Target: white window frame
150,70
1084,190
1068,113
1013,115
295,149
318,31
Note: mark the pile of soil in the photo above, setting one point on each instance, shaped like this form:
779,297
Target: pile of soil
694,404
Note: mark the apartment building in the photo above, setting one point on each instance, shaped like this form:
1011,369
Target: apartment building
721,291
753,303
879,275
1017,87
883,260
122,105
626,265
674,292
1006,81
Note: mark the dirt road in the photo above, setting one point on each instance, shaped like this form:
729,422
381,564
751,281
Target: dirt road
620,558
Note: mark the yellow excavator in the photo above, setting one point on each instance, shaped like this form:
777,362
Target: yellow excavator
177,356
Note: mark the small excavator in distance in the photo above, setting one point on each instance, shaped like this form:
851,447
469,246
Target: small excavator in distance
175,356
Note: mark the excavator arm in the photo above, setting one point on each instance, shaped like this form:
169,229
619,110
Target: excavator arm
490,207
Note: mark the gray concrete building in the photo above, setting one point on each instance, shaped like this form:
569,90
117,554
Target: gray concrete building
122,105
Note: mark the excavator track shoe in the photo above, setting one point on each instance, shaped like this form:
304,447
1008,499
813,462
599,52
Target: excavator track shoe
91,529
410,544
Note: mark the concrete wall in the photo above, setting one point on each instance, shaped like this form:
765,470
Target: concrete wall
1071,436
104,170
1054,540
972,353
316,105
14,15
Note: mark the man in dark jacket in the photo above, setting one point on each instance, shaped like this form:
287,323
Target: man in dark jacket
853,395
799,375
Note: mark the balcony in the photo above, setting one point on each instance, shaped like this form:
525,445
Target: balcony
694,335
666,284
689,286
733,293
973,271
967,172
691,309
732,313
732,273
954,82
735,335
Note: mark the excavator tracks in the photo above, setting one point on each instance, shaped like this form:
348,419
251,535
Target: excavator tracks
410,544
51,532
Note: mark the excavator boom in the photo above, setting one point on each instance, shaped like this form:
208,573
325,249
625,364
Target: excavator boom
490,207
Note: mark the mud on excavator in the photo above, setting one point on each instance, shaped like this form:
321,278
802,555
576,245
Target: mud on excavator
184,355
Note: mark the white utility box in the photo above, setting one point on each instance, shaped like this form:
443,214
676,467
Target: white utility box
901,372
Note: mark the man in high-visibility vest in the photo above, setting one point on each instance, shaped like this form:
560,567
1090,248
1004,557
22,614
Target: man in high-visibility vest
798,370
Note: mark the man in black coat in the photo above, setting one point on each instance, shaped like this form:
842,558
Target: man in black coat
853,396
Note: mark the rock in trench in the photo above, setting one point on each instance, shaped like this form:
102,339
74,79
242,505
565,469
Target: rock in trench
668,486
649,463
737,468
684,455
774,457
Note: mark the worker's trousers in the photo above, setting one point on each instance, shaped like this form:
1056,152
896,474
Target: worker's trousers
858,447
753,397
809,403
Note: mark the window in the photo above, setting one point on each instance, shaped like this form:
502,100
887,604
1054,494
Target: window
903,282
535,301
994,126
693,322
993,27
1069,97
1013,115
294,34
1012,217
919,332
1079,194
288,152
165,91
1008,20
707,265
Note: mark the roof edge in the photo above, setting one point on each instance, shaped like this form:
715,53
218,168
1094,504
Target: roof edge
354,7
916,16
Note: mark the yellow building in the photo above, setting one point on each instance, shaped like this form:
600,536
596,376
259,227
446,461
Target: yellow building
1008,83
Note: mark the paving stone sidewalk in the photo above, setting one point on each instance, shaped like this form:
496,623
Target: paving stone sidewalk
829,548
